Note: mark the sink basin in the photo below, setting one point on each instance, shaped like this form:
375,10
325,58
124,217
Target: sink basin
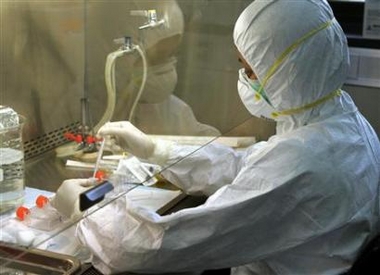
20,260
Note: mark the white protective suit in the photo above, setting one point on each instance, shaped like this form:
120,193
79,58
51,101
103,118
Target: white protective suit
304,202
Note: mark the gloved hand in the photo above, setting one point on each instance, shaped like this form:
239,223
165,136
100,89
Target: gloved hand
129,138
134,141
66,199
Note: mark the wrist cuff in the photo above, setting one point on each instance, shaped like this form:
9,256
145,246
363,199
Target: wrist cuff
161,151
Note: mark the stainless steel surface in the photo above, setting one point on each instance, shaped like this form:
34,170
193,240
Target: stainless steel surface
365,67
47,172
47,141
34,261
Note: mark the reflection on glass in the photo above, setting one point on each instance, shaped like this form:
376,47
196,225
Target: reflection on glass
158,110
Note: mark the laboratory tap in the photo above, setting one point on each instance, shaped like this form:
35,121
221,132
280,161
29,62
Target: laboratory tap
151,16
126,43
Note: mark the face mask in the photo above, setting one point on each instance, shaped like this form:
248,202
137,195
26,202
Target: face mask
160,82
256,103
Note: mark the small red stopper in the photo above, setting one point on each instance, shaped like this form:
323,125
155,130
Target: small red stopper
100,175
41,201
22,212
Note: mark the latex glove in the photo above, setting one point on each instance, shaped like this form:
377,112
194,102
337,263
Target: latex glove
129,138
66,199
134,141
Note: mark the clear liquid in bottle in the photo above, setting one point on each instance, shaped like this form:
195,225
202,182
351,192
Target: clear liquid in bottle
12,185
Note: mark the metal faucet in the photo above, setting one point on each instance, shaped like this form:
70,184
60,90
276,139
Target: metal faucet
125,42
152,20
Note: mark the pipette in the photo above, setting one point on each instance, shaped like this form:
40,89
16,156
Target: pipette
98,159
96,193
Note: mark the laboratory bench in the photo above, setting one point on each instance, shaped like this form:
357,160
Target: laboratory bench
43,175
59,261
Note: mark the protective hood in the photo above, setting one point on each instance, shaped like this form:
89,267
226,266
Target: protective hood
301,66
160,83
167,10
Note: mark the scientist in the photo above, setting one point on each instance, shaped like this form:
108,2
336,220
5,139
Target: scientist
159,111
304,202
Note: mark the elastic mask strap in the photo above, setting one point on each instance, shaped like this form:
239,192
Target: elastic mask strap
291,48
259,91
281,59
307,106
